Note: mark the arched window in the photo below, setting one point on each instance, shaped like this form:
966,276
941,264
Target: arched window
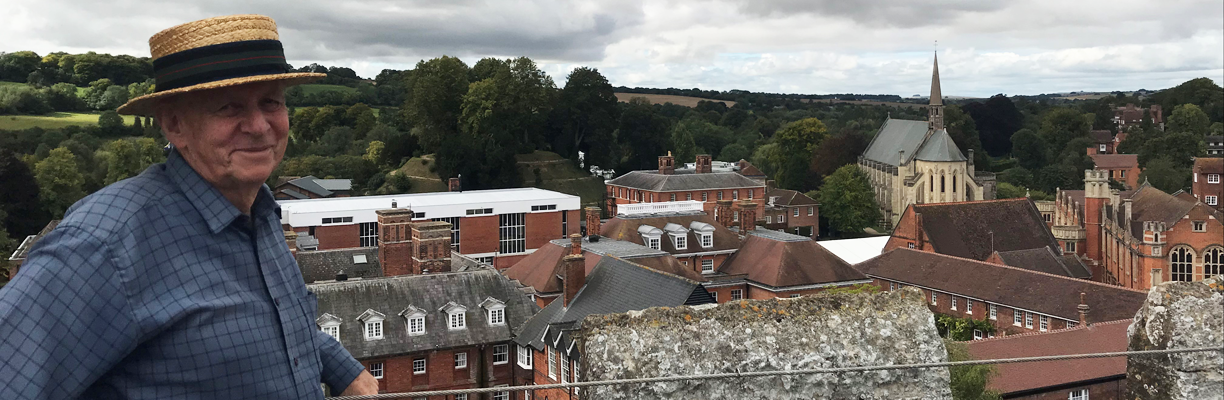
953,183
1181,260
942,187
932,180
1213,262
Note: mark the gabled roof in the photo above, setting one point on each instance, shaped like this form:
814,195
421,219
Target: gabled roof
544,268
965,229
1152,204
1115,161
894,136
788,198
1044,259
782,260
625,228
653,181
335,185
747,169
939,147
1009,286
348,300
1206,165
310,184
1105,337
614,286
323,265
26,245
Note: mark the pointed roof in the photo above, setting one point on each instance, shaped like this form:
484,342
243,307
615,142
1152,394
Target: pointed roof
936,94
783,260
939,147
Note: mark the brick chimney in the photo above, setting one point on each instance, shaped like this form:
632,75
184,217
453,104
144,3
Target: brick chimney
1083,311
575,273
747,210
704,164
918,242
667,164
291,240
395,241
770,184
453,185
722,212
431,241
592,221
575,244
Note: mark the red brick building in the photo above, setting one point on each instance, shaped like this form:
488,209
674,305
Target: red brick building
498,227
1103,378
1206,183
1133,116
1122,168
681,229
1139,238
669,184
1103,142
1011,230
545,351
1014,300
544,270
775,264
792,212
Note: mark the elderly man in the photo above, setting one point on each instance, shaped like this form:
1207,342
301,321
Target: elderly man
177,283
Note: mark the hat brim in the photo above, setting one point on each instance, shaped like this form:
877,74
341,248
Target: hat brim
144,105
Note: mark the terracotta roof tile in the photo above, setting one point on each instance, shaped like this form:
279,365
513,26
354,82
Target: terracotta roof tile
1097,338
965,229
1115,161
784,263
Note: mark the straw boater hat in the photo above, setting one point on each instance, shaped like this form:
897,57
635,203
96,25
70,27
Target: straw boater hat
214,53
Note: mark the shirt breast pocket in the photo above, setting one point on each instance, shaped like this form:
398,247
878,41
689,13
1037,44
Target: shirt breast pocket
310,305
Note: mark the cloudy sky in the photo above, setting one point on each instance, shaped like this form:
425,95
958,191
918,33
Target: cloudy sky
793,46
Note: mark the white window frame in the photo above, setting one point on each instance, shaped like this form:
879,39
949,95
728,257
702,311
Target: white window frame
457,320
552,363
714,295
977,334
953,303
1103,148
653,242
707,266
416,326
781,218
1211,200
373,330
994,312
707,240
688,196
796,213
376,369
1045,323
680,241
737,294
811,210
461,360
1017,317
461,396
1199,226
501,352
525,357
934,299
1078,394
418,366
1028,320
564,369
1213,178
968,306
332,329
673,197
501,395
512,233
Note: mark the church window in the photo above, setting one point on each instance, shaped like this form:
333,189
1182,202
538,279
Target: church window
932,183
942,187
1213,262
953,183
1182,262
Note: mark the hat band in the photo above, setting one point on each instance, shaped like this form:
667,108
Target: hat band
219,62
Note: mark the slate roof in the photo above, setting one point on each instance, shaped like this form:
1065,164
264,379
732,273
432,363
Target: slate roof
787,198
323,265
625,228
1017,379
392,295
782,260
896,135
24,248
1101,136
1115,161
1152,204
654,181
614,286
543,269
965,229
294,194
335,185
747,169
1009,286
310,184
1044,259
939,147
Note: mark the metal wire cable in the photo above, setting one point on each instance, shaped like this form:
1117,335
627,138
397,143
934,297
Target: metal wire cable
754,374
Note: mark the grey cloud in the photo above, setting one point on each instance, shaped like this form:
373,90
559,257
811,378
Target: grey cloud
875,13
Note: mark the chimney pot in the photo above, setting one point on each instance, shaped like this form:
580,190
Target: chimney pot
1083,310
454,185
575,244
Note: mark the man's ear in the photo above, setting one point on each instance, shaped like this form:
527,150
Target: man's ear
171,123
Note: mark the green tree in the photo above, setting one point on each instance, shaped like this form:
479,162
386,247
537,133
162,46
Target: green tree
1028,149
962,129
848,201
968,382
643,133
374,152
1009,191
126,158
1060,126
682,144
511,107
585,118
1189,118
59,181
734,152
836,151
1179,147
1164,174
19,197
797,142
435,99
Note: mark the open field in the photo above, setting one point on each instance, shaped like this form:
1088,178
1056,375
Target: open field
51,121
667,98
868,103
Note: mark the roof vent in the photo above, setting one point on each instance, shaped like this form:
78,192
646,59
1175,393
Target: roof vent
593,238
341,276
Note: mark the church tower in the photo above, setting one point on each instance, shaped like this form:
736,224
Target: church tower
935,111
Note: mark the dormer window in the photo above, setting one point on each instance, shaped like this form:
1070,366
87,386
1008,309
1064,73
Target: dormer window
329,324
651,236
705,233
415,318
373,324
678,234
495,311
456,316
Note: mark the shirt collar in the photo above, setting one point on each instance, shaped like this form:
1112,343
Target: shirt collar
217,211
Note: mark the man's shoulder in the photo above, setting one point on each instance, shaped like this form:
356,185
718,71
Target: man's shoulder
113,206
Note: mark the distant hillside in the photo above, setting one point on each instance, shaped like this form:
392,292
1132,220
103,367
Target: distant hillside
667,98
555,173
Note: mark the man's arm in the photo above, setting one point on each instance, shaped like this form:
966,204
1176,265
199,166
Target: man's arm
64,319
340,369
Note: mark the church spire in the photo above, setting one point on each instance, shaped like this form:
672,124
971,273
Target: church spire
935,110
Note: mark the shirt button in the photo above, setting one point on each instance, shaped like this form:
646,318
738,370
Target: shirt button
277,302
295,361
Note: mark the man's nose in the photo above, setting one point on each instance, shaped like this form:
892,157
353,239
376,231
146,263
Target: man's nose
255,121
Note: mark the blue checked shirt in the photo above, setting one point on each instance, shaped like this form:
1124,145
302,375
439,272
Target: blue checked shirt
157,287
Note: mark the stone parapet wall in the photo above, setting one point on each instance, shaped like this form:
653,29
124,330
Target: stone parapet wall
819,331
1178,315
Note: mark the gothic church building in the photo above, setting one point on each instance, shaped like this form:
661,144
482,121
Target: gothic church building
916,162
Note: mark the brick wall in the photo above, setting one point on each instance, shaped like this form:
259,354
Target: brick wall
337,236
540,377
478,234
1201,189
1004,321
1112,389
543,227
440,372
723,293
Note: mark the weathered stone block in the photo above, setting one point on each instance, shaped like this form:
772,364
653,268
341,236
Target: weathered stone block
1178,315
819,331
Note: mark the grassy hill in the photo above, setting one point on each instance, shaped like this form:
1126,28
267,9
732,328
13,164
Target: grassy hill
52,121
667,98
317,88
556,174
